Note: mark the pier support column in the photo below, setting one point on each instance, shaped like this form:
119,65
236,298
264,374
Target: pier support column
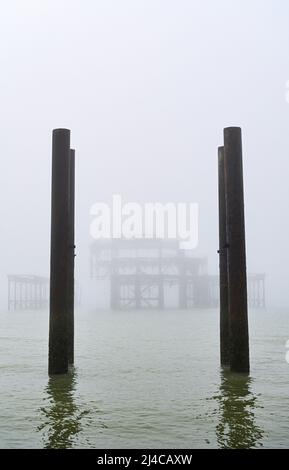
237,279
59,257
223,265
70,337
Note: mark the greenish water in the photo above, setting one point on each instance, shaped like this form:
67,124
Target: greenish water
143,379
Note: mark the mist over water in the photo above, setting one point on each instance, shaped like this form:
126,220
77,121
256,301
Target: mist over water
146,87
143,379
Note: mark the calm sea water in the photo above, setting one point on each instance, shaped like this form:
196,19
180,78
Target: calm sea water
143,380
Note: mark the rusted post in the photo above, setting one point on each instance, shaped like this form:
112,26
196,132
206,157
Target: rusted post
70,338
237,279
223,265
59,259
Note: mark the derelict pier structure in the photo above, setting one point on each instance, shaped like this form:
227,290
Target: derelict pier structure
142,271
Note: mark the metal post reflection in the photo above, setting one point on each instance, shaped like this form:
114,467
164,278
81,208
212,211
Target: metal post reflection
237,428
62,416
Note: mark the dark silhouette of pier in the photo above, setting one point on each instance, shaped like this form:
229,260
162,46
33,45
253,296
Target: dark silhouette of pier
31,292
27,292
141,271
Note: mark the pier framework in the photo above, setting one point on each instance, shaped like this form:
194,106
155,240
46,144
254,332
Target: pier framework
141,271
27,292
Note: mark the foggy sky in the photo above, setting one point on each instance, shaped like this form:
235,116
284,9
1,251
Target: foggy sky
146,86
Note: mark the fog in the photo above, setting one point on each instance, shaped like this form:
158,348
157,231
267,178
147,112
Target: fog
146,87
